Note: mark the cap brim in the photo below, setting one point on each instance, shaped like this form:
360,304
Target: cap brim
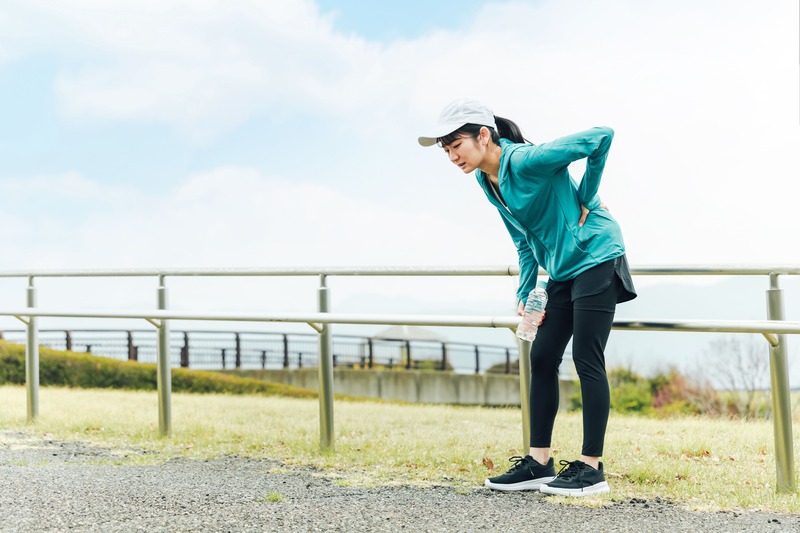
427,141
441,130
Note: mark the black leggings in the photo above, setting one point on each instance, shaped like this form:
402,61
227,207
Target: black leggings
588,321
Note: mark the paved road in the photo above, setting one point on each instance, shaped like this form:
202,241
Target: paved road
47,485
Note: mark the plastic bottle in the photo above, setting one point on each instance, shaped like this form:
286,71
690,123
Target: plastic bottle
534,308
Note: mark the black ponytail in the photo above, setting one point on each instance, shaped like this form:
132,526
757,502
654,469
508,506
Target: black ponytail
506,129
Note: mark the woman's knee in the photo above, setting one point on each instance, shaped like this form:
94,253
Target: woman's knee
591,370
543,363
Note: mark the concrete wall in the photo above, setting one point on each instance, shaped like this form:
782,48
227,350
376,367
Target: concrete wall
412,386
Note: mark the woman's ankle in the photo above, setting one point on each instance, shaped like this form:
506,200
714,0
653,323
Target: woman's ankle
594,462
541,455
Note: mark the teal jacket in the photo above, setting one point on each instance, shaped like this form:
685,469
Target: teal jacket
542,206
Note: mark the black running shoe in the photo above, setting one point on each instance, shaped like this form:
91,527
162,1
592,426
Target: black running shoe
525,474
576,478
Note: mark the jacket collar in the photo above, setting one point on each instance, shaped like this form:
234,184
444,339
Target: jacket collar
508,148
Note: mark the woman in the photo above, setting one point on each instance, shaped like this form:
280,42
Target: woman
563,227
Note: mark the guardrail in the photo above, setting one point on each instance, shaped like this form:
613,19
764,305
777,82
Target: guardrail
774,330
261,350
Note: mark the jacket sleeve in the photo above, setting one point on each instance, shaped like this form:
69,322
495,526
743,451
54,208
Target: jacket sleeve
553,157
528,267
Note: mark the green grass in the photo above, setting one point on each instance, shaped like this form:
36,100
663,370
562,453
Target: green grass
706,464
274,497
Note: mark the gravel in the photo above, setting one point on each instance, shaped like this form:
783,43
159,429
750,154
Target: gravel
50,485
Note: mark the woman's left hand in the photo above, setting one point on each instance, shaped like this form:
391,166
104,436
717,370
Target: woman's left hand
585,213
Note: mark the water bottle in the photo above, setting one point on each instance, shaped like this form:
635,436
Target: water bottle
534,308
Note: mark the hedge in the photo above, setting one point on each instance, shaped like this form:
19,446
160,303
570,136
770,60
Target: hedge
69,369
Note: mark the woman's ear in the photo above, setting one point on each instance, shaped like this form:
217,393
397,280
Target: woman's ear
485,136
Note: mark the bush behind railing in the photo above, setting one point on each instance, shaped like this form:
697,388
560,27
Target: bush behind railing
68,369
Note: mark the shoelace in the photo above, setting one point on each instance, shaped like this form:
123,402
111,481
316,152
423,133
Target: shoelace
570,469
517,462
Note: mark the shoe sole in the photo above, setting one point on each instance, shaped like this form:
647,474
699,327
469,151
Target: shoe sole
598,488
533,484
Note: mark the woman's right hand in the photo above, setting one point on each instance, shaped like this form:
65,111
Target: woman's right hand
585,213
521,312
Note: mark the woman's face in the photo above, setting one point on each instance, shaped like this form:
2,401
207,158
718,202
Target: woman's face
466,153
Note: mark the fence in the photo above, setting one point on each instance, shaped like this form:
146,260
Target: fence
774,330
250,350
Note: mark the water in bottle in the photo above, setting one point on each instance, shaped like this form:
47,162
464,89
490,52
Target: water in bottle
534,308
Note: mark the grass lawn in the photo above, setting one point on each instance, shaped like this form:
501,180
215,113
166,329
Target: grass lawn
703,463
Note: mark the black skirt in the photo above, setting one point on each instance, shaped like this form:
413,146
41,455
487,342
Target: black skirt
596,280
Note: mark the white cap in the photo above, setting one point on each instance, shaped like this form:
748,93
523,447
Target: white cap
456,114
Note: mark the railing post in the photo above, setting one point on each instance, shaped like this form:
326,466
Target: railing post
223,358
781,405
477,360
370,355
185,350
525,392
131,353
238,351
32,357
164,371
407,346
508,361
285,351
444,356
263,359
68,340
325,371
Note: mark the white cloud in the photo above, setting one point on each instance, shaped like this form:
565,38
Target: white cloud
207,66
233,216
703,97
201,67
245,217
70,186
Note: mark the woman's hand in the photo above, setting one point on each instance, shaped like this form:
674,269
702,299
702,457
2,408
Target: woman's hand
521,312
585,213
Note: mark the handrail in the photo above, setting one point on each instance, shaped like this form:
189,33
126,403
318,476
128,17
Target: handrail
510,322
773,329
491,270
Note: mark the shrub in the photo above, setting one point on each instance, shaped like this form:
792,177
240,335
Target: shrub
576,398
500,368
70,369
630,392
673,393
632,398
666,394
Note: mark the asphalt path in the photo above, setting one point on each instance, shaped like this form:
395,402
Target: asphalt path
50,485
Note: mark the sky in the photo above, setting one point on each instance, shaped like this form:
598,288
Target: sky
210,133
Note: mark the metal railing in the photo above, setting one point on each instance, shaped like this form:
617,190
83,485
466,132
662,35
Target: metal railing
774,330
262,350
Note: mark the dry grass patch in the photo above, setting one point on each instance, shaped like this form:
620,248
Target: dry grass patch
703,463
